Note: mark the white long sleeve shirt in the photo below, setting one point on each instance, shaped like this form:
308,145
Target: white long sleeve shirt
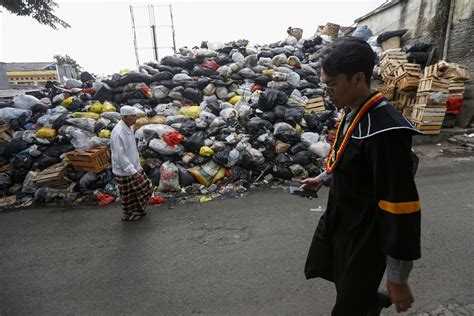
125,158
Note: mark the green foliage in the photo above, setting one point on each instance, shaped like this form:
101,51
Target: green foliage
40,10
68,60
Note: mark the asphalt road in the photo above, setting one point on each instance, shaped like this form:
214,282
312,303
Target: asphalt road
241,256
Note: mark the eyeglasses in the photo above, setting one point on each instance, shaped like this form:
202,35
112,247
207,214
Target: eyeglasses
328,89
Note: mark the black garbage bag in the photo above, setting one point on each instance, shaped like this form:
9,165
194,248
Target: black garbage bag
389,34
330,123
85,76
282,172
3,161
203,72
88,181
103,94
17,124
324,115
258,126
269,99
5,181
185,178
188,128
313,79
223,134
221,157
19,175
223,59
191,84
74,175
212,131
307,85
282,50
154,175
21,161
280,111
245,160
165,75
76,105
14,147
213,107
3,147
182,62
417,47
134,78
297,148
284,160
35,116
58,150
42,162
312,169
294,115
200,160
302,157
241,174
417,57
123,97
194,142
104,177
60,121
203,82
265,54
269,116
288,136
314,125
40,108
193,94
262,80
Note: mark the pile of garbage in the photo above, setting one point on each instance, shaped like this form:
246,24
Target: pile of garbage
216,116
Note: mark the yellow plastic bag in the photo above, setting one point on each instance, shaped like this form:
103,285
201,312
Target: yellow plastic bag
206,151
298,128
142,121
206,173
67,102
190,111
105,133
235,99
268,72
91,115
45,133
219,176
96,107
108,107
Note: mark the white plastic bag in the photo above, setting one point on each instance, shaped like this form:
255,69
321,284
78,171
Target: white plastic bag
309,138
25,101
169,178
321,148
152,131
163,148
86,124
8,114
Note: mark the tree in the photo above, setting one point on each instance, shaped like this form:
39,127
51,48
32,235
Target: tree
67,60
40,10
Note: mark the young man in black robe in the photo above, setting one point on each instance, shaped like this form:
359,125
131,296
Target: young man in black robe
372,221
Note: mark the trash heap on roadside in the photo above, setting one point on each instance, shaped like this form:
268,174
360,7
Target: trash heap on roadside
213,119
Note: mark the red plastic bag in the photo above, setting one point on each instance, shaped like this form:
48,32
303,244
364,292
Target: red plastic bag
255,88
88,90
453,105
173,138
211,64
105,199
156,200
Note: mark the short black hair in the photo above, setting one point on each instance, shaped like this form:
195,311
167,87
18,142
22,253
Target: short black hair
348,55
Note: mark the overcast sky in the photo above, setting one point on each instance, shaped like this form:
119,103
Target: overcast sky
101,38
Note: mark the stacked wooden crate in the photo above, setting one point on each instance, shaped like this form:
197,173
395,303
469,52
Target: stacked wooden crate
95,159
430,105
456,74
315,105
388,67
407,79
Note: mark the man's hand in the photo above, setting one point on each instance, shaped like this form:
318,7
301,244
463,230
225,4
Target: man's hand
401,296
311,183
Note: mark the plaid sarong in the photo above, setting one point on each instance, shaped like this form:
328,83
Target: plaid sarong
134,193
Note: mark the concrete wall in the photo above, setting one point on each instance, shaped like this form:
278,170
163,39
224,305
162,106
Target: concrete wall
3,76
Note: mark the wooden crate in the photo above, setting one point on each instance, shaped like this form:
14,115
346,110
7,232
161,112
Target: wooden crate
406,99
390,81
5,132
432,71
388,92
53,177
407,82
433,85
427,128
426,114
411,69
95,159
456,86
423,98
315,105
457,71
407,112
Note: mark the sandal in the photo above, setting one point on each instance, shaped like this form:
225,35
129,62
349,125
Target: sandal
131,218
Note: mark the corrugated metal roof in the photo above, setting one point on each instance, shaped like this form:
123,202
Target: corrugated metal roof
382,7
31,66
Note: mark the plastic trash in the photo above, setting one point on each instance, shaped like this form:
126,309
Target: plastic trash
105,199
169,178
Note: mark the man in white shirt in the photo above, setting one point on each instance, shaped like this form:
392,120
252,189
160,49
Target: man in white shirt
133,184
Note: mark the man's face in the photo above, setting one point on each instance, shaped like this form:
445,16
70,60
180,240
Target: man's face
129,119
341,89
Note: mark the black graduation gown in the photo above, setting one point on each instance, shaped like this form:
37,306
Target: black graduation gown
373,210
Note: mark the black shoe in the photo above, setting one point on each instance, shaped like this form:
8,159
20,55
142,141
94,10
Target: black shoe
383,301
